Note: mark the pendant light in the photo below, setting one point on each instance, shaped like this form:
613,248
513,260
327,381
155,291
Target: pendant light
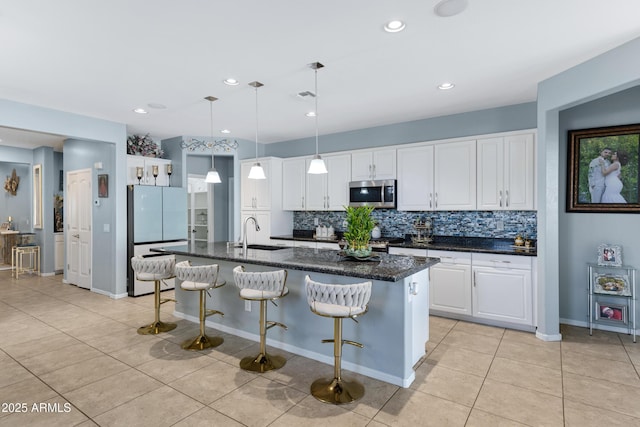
317,165
213,177
256,171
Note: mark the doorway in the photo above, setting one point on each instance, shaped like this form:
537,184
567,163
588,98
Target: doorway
78,220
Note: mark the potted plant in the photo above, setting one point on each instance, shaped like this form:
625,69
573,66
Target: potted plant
358,234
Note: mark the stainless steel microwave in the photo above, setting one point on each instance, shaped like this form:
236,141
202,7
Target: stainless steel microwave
379,194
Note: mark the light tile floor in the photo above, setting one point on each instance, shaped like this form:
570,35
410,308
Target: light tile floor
77,356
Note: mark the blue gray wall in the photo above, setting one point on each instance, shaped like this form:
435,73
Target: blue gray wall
79,155
581,233
18,206
502,119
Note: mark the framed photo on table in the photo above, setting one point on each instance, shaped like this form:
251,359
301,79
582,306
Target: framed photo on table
611,312
603,170
611,284
609,255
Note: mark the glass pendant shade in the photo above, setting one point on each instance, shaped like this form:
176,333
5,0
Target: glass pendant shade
213,177
317,166
257,172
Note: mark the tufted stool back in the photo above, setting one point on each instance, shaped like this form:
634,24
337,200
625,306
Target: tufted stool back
195,278
260,285
152,268
337,300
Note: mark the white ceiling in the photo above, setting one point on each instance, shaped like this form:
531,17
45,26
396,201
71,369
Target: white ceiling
105,58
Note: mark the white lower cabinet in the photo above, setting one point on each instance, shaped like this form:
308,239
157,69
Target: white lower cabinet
450,282
492,288
502,288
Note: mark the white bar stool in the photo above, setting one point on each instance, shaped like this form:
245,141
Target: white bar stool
338,302
152,269
200,278
262,286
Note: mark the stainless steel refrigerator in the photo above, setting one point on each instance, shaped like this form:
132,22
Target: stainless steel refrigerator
156,217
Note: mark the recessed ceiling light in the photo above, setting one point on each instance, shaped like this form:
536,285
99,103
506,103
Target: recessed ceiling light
140,111
311,114
448,8
231,82
394,26
446,86
157,105
225,131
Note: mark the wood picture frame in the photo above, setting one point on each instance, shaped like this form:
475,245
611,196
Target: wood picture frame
594,183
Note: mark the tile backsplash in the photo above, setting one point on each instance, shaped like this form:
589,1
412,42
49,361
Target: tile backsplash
395,223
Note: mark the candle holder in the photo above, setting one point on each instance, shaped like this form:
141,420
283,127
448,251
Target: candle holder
154,172
169,172
139,172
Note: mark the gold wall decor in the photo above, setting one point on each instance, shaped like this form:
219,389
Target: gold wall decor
11,183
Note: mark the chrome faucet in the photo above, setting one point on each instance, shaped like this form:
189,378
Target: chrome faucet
244,232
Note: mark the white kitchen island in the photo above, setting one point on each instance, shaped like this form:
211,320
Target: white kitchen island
394,330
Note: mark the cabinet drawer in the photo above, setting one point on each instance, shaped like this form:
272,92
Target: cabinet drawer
449,257
502,261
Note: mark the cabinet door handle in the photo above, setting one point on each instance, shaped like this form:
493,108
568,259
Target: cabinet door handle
500,198
436,200
474,279
501,261
370,173
328,203
374,170
507,198
302,202
430,200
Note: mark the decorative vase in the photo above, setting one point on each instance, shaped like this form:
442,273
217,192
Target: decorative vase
375,233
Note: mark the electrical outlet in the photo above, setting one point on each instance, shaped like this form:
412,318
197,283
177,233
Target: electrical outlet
247,306
500,225
316,221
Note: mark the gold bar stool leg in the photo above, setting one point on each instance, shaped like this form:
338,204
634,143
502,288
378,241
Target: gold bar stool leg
336,390
157,326
322,299
202,341
263,362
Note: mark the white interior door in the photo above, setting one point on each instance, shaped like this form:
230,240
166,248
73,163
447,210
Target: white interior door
78,227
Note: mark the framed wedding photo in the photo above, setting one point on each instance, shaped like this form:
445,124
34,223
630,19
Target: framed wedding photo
610,255
603,170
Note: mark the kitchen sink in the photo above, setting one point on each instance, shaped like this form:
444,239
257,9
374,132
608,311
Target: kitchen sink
264,247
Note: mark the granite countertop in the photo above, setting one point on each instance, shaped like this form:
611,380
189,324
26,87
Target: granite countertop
442,243
390,268
472,244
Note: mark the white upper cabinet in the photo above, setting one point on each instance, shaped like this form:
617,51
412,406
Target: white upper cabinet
415,178
329,192
437,177
322,192
147,164
293,184
506,172
455,176
256,193
374,164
